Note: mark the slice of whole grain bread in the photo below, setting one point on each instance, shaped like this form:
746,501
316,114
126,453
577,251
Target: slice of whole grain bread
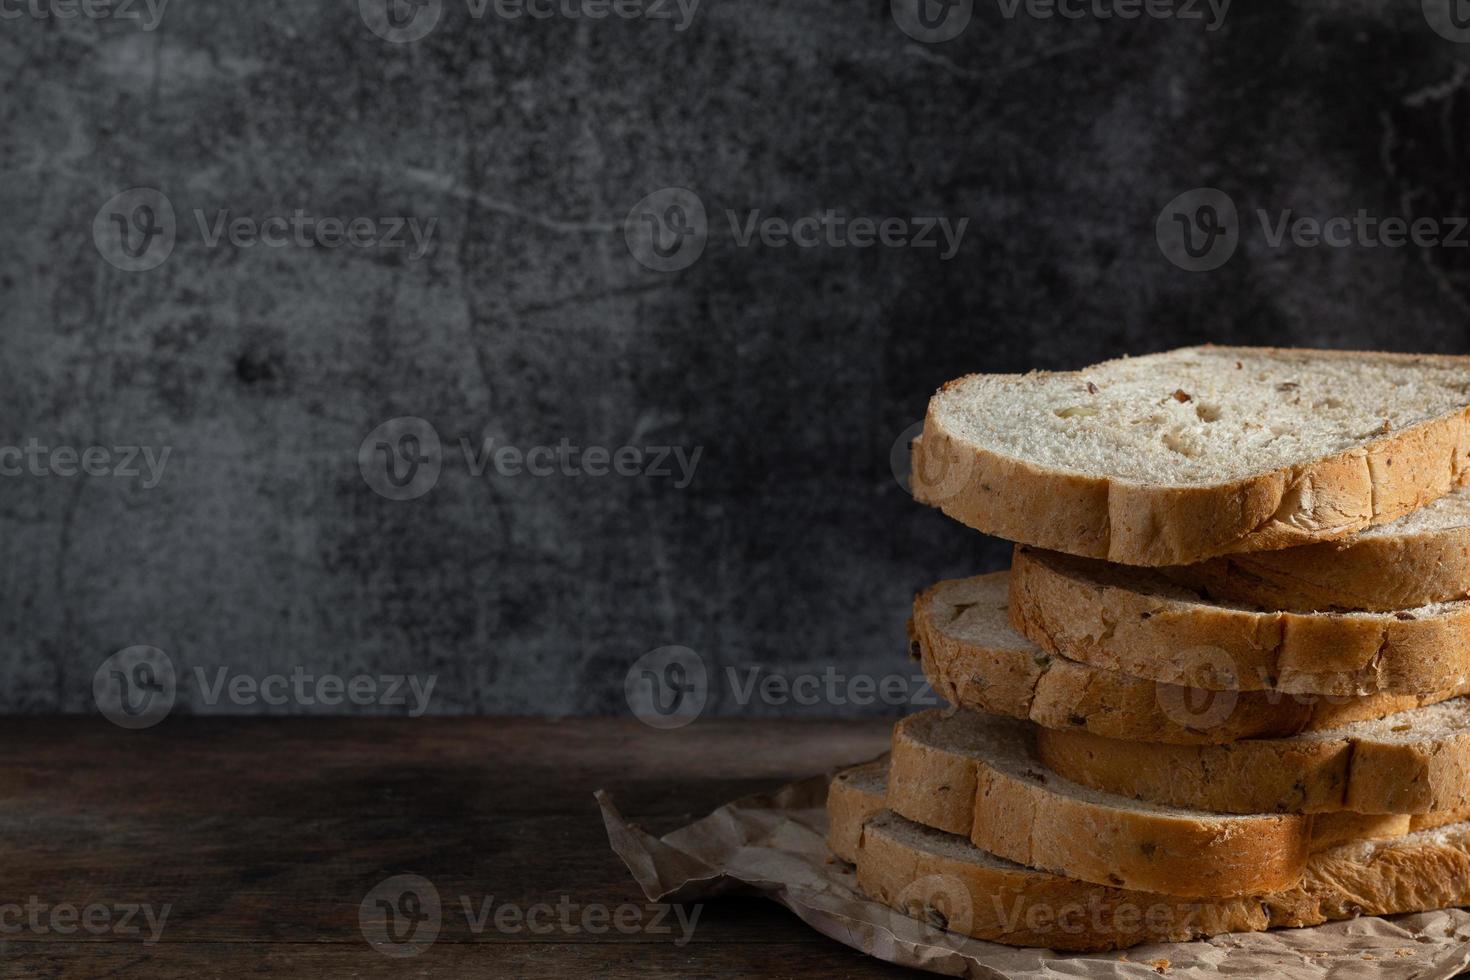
1173,458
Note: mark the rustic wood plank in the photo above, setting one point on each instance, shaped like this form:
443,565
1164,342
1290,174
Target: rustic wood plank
264,835
826,960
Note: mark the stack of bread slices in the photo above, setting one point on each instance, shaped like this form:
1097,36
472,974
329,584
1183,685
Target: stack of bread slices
1225,685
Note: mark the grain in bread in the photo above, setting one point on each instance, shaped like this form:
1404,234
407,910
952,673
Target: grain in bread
965,772
853,796
1414,762
961,633
1419,559
946,881
1177,457
856,794
1140,622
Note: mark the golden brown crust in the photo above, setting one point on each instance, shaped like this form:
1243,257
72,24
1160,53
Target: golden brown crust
1143,524
1056,692
1022,907
1034,819
1379,573
1333,829
853,796
1140,623
1321,773
930,879
1439,818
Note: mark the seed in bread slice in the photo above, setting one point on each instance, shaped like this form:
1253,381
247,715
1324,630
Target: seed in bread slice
853,796
1417,560
974,658
1414,762
1140,622
965,772
1177,457
946,881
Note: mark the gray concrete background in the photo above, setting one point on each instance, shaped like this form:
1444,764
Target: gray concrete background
262,547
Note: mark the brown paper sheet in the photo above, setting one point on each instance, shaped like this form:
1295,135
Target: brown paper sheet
775,845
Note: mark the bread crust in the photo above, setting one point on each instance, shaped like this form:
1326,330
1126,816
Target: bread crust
1322,773
1060,693
1334,829
1032,820
1142,624
1146,524
851,800
1022,907
1376,573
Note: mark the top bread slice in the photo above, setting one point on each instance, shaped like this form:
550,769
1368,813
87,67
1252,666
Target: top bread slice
1173,458
974,658
1419,559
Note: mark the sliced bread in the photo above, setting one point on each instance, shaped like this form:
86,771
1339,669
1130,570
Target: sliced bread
1417,560
1414,762
856,794
1140,622
979,775
974,658
946,881
853,796
1176,457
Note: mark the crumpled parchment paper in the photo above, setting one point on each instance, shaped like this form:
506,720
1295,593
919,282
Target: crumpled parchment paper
775,845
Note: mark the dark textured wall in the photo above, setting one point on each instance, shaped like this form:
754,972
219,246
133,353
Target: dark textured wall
529,319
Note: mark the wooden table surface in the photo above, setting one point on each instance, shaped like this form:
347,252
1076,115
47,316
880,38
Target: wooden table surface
262,837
